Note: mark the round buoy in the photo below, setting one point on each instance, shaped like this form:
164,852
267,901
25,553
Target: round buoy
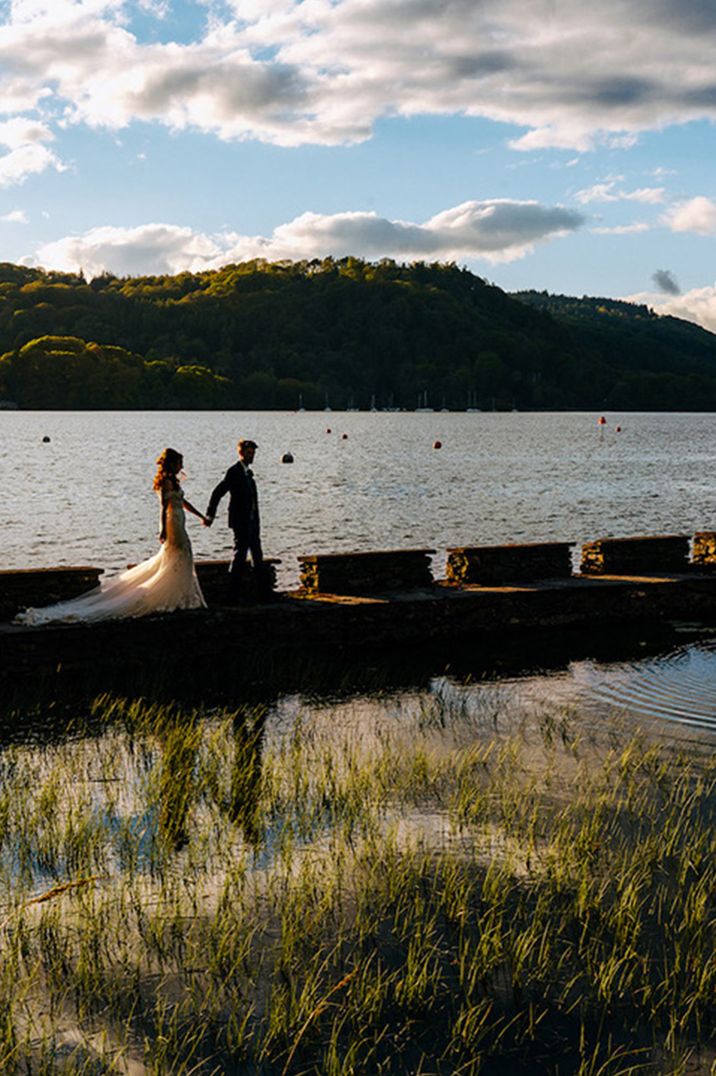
287,458
328,429
437,444
45,440
618,429
601,421
344,437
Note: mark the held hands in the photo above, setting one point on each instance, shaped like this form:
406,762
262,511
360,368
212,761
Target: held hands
207,520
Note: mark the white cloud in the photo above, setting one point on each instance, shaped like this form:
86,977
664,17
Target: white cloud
647,195
607,191
27,155
698,305
554,137
697,215
20,132
323,71
599,192
160,9
623,229
494,230
18,164
150,248
15,216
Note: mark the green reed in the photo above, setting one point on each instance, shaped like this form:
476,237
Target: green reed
197,893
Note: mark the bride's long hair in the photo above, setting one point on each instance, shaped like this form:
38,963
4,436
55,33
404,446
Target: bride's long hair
169,464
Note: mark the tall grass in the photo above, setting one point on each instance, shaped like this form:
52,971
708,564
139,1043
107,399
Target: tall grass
199,893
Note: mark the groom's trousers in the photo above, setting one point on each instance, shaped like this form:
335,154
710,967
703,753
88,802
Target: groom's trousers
246,541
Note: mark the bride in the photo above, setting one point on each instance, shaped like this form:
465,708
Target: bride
165,582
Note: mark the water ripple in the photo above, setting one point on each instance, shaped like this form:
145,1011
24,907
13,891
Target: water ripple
680,686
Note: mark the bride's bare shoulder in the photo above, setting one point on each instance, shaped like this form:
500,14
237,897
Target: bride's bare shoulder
167,488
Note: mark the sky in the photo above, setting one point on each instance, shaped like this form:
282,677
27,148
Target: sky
549,144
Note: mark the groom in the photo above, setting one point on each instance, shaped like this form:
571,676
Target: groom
239,483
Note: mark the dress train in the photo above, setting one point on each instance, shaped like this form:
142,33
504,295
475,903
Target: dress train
164,583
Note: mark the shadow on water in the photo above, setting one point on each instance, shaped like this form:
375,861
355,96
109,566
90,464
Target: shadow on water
56,704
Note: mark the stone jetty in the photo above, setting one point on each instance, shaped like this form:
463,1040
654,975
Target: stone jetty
385,599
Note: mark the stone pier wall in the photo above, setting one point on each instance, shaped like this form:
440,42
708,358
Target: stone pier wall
494,565
658,554
366,573
394,572
43,586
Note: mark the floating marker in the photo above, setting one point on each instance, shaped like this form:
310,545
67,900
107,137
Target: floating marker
328,429
601,421
45,440
618,429
344,437
437,444
287,458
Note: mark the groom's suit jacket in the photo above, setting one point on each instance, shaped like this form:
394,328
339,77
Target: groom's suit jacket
243,499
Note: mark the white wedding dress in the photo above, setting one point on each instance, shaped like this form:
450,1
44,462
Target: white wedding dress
162,584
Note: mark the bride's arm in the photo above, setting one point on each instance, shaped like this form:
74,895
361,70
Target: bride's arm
163,517
194,511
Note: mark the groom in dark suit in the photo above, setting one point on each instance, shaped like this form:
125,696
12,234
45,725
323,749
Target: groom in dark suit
239,483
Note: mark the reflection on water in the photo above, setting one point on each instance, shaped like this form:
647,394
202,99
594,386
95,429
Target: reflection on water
650,676
677,688
203,858
146,773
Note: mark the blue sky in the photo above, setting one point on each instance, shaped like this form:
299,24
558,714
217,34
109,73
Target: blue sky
543,143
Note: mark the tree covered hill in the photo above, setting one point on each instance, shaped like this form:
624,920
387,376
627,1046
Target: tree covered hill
629,335
346,332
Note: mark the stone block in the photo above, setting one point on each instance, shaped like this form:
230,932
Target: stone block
497,565
649,555
703,553
213,576
23,588
366,573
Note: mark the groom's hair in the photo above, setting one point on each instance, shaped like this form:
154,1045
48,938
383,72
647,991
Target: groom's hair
246,444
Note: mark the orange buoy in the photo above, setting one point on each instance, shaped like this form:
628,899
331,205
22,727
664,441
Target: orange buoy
618,429
344,437
437,444
328,429
601,421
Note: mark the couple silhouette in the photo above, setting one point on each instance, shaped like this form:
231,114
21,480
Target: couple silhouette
167,581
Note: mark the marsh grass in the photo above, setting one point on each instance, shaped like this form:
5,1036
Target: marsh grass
197,892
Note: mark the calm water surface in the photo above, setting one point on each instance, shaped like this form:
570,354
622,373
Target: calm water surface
86,496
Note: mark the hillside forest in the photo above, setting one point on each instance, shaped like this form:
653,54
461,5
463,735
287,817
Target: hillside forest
338,333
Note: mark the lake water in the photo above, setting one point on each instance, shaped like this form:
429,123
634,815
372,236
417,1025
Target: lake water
85,497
